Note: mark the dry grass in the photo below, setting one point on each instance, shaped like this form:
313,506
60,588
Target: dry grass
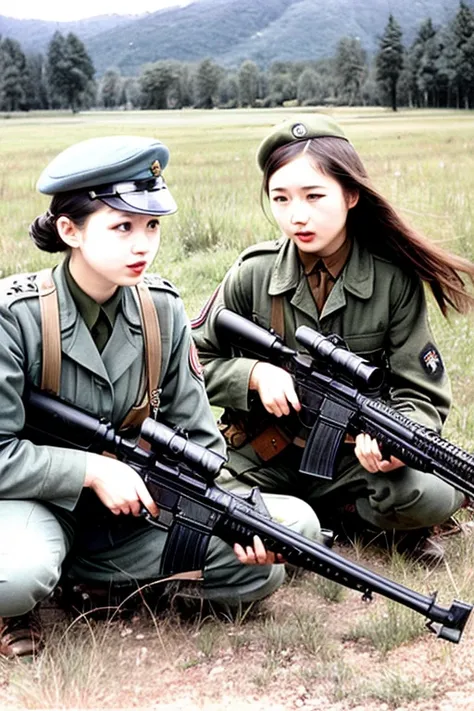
296,649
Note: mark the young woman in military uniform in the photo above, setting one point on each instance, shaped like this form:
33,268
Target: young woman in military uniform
346,263
108,196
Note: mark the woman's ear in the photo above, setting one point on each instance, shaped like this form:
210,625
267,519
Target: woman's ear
352,199
68,231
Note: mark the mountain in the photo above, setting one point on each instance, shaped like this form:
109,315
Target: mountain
230,31
35,35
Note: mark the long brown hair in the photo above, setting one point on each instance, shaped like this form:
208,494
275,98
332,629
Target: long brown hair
377,225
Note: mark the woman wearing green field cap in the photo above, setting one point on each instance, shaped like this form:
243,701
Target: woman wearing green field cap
346,264
100,335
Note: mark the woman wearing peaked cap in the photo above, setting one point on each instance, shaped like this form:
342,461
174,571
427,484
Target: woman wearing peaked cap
346,263
108,196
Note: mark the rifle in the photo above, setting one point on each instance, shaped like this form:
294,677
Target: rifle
180,477
329,381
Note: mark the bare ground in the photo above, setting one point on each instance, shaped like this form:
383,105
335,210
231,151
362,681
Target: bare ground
296,650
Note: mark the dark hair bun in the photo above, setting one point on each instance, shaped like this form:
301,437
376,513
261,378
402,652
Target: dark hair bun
44,234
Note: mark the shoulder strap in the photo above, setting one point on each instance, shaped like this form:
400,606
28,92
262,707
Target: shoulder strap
152,340
51,344
51,333
152,337
278,317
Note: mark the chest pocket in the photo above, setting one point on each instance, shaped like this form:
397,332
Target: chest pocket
51,347
372,348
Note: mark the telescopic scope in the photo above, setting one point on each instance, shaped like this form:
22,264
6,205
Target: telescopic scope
340,359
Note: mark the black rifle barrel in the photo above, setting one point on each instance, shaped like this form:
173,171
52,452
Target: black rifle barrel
234,518
241,332
241,525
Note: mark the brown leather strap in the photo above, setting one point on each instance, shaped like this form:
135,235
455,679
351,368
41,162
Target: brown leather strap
278,316
152,339
51,333
51,345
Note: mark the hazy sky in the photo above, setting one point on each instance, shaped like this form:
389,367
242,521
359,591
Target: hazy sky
62,11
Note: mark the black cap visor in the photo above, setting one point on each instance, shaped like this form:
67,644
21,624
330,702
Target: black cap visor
150,197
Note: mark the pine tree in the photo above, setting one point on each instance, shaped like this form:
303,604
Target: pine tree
36,89
111,89
389,60
248,83
13,76
309,88
157,82
70,72
351,69
422,66
462,59
206,83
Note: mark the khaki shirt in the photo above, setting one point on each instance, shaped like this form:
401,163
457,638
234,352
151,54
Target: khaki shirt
104,384
99,318
377,308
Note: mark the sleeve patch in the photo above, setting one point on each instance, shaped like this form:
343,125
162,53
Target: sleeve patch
194,362
431,361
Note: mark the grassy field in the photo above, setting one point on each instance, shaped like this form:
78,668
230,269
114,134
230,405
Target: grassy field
423,161
307,641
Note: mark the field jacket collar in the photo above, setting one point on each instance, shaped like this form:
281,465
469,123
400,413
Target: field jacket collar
77,342
357,278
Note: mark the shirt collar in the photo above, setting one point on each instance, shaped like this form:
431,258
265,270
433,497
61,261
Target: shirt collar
358,273
334,262
88,307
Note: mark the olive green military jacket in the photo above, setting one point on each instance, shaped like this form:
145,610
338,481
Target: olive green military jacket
106,384
377,308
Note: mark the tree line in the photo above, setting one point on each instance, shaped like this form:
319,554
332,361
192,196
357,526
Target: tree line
436,70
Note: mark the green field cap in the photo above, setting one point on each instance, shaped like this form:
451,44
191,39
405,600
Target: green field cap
300,127
124,172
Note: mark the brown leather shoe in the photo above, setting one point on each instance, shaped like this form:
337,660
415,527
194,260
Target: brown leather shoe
20,636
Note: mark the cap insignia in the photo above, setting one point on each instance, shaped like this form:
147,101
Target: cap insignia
299,130
155,168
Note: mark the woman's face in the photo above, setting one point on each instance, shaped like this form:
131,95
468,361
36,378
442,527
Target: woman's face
310,207
112,249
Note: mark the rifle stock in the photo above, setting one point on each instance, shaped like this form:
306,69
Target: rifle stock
179,475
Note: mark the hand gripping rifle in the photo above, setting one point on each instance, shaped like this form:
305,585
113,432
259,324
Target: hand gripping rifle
179,475
329,380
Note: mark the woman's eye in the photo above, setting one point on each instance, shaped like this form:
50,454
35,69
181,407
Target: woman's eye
314,196
124,227
279,198
153,224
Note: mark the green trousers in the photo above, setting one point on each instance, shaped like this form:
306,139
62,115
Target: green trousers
402,499
34,542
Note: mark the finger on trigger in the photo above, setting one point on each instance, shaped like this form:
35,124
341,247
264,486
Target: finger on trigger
259,549
292,398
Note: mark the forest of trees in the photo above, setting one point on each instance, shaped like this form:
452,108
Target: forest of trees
436,70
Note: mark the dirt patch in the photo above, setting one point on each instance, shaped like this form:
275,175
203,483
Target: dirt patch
295,650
